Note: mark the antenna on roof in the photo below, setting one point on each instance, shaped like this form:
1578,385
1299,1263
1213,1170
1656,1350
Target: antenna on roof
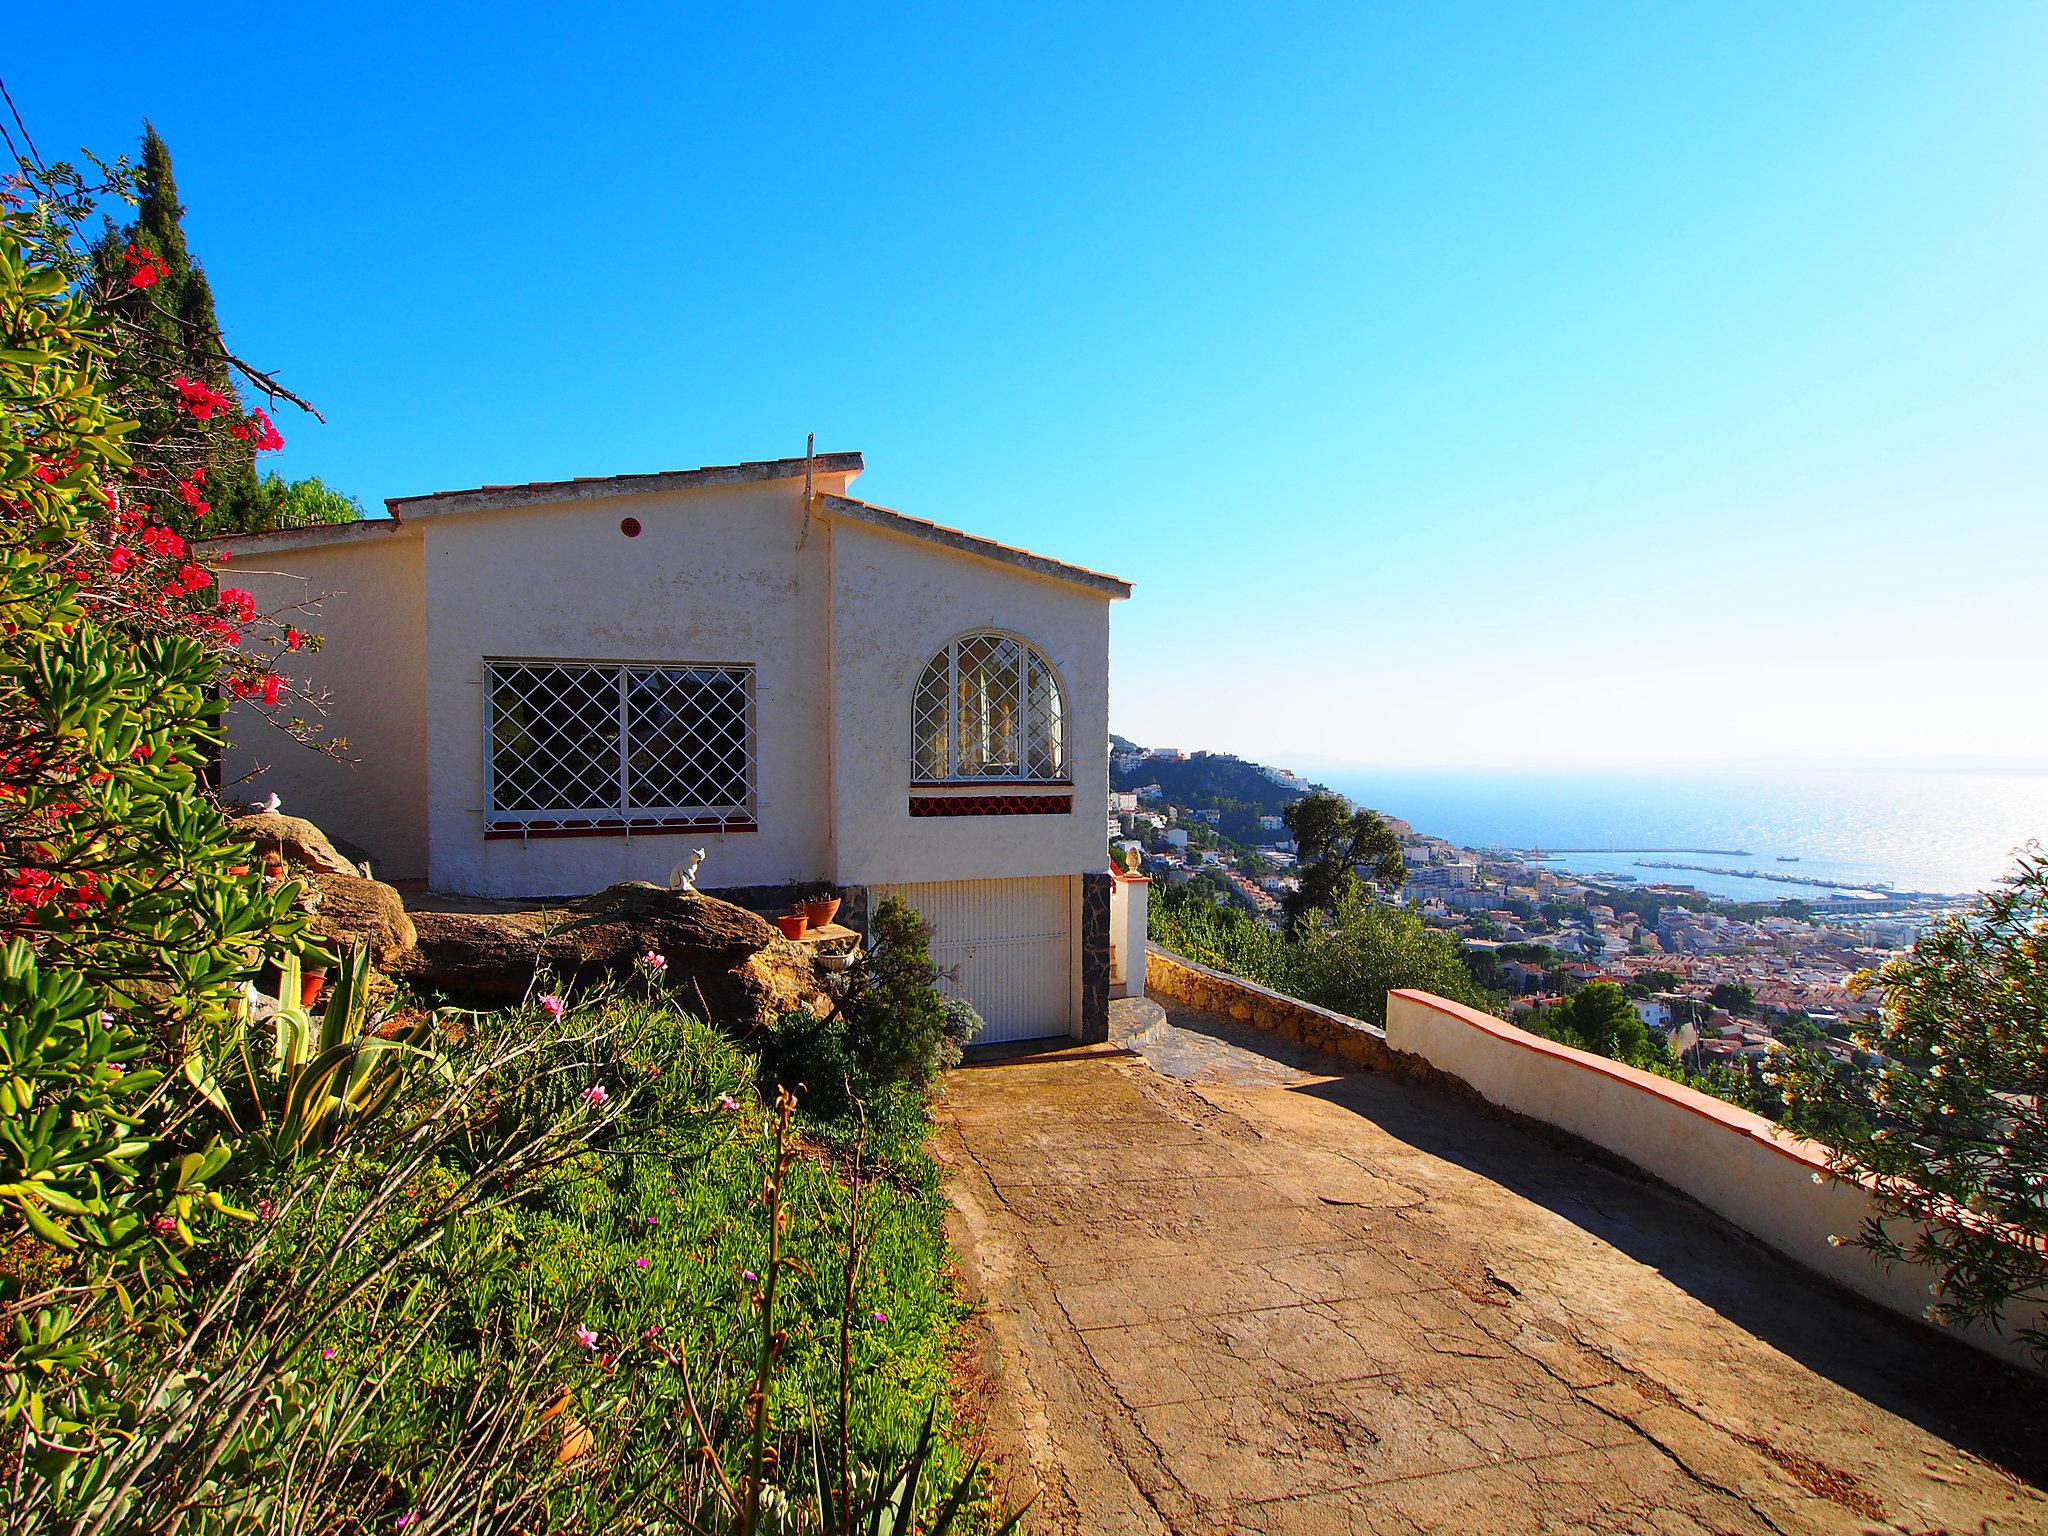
810,452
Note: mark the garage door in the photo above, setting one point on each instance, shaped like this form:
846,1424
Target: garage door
1007,946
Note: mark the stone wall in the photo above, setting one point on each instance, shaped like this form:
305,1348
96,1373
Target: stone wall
1170,978
1095,892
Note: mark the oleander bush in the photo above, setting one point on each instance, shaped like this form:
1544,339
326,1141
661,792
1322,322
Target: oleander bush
1947,1126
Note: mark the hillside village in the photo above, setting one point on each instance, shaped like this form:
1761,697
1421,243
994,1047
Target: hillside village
1742,975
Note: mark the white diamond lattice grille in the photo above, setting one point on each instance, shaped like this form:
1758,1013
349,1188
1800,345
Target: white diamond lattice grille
988,707
577,741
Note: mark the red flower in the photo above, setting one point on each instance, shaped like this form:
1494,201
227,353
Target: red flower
234,600
188,492
202,400
273,689
191,578
143,268
118,559
268,438
163,543
292,638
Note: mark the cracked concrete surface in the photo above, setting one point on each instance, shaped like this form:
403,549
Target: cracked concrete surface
1225,1286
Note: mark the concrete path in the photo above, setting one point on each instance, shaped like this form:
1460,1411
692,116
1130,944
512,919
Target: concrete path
1226,1288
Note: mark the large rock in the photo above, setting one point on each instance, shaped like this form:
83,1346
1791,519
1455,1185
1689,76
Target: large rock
353,911
733,965
303,845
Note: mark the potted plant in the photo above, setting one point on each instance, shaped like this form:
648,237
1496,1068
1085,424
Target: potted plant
792,924
820,906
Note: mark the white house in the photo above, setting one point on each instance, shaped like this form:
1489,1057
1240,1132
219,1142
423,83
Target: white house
548,688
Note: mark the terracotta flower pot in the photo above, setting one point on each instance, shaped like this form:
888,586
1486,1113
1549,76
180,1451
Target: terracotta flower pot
792,925
821,911
310,983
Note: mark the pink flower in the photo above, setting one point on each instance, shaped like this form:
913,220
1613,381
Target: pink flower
595,1094
408,1518
165,1225
640,1263
650,1221
749,1276
585,1337
727,1101
326,1354
654,962
553,1006
881,1317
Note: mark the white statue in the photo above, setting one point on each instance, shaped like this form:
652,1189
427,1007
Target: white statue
685,880
269,804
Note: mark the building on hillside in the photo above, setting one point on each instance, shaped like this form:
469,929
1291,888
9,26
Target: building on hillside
549,688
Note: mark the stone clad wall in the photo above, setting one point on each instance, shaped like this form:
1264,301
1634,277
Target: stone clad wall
1173,979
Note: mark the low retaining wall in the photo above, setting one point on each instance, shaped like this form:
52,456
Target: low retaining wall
1771,1184
1179,980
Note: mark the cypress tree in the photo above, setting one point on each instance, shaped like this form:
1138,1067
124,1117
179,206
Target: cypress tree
177,312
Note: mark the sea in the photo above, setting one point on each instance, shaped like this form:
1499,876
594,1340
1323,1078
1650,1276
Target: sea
1940,833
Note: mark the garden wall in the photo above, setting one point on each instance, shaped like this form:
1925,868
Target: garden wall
1764,1180
1772,1184
1179,980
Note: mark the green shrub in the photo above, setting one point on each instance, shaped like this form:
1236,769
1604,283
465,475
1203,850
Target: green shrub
896,1021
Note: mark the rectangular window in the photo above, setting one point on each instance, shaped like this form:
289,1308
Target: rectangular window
591,746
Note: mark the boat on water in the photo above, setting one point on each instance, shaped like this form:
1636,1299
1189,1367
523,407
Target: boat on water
1788,858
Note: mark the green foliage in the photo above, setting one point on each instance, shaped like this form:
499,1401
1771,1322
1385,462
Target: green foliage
1331,840
316,1079
1949,1131
281,503
1599,1018
896,1021
1347,961
1735,996
531,1299
893,1034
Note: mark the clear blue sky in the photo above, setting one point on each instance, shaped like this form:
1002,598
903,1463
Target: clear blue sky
1519,385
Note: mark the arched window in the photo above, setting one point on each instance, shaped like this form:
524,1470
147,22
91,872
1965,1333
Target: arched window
988,707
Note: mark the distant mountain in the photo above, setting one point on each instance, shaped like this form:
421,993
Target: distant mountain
1241,790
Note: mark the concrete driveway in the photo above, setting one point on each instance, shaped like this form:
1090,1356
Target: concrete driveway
1226,1287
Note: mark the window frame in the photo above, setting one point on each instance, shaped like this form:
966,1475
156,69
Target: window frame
618,816
952,778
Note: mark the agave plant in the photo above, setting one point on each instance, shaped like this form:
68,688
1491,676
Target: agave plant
319,1076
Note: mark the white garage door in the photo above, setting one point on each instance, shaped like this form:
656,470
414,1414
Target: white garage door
1007,946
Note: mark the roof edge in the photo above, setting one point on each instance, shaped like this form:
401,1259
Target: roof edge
890,521
311,536
600,487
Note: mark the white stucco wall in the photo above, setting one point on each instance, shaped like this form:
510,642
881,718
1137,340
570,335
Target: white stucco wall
715,575
1767,1182
896,601
365,595
837,632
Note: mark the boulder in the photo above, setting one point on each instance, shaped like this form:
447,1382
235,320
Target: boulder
730,963
355,911
302,845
